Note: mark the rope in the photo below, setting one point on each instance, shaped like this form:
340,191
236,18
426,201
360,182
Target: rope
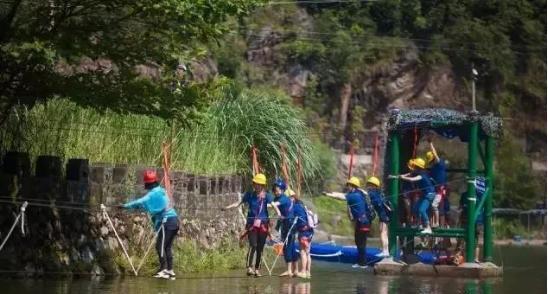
376,154
148,250
285,244
351,159
104,209
19,216
255,160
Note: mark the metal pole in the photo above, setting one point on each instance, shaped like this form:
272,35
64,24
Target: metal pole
394,143
474,75
488,225
472,161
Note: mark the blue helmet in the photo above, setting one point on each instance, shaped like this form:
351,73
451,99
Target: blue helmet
280,184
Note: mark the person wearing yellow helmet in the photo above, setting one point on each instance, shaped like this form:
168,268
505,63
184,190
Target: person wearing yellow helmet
383,208
257,224
420,175
438,172
360,214
286,206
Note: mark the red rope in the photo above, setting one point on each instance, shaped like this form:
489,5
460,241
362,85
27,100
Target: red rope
299,172
255,160
351,159
285,169
166,163
376,154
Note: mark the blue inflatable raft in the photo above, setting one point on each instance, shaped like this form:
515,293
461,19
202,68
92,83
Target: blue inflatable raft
349,254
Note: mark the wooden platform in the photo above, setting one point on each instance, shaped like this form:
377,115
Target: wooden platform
388,267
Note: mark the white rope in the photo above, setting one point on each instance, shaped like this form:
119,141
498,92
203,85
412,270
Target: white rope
103,207
163,239
21,214
148,250
285,244
338,253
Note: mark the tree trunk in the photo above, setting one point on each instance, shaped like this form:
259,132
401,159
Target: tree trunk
345,94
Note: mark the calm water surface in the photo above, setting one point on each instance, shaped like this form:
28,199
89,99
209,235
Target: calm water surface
524,273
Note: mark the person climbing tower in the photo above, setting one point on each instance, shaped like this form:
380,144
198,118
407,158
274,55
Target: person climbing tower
383,209
438,172
420,176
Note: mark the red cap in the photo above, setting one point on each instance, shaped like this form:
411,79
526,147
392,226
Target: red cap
150,177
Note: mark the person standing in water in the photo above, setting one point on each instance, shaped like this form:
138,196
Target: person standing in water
285,205
164,218
305,233
257,223
360,214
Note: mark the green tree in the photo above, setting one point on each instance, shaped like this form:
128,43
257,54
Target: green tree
90,51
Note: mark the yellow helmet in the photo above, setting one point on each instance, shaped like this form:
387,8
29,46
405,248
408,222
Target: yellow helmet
411,164
354,181
430,156
259,179
419,162
374,181
290,192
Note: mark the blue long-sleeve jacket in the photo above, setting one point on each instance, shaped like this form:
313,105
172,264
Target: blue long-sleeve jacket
156,203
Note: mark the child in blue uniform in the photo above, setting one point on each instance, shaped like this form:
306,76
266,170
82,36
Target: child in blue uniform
257,224
286,206
420,176
306,231
164,219
361,216
383,210
438,172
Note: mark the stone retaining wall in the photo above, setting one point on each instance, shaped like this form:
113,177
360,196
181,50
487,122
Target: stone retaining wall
59,239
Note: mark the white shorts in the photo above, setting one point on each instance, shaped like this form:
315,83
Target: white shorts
436,201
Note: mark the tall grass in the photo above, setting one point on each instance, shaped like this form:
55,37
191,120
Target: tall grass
221,143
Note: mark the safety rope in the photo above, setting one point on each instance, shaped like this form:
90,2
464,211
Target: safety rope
351,160
20,216
299,172
285,244
148,249
166,164
255,160
105,214
376,154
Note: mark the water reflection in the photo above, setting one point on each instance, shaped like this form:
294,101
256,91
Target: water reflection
523,267
291,287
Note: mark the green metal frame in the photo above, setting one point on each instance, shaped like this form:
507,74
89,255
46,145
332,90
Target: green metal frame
468,233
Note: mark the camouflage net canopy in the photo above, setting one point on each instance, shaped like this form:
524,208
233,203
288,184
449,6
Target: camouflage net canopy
445,122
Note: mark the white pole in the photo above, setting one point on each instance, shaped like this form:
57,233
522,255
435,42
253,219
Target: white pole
474,75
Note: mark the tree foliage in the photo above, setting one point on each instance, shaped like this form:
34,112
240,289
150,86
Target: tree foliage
90,51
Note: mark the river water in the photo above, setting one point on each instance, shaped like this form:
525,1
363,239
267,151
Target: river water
524,273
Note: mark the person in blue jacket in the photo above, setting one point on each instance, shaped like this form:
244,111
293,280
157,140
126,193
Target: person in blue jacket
360,214
438,172
383,209
306,232
164,218
285,205
420,176
258,221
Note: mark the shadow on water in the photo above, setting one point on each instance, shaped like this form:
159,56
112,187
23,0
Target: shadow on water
525,269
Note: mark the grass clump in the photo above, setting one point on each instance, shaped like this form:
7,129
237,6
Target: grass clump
219,144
